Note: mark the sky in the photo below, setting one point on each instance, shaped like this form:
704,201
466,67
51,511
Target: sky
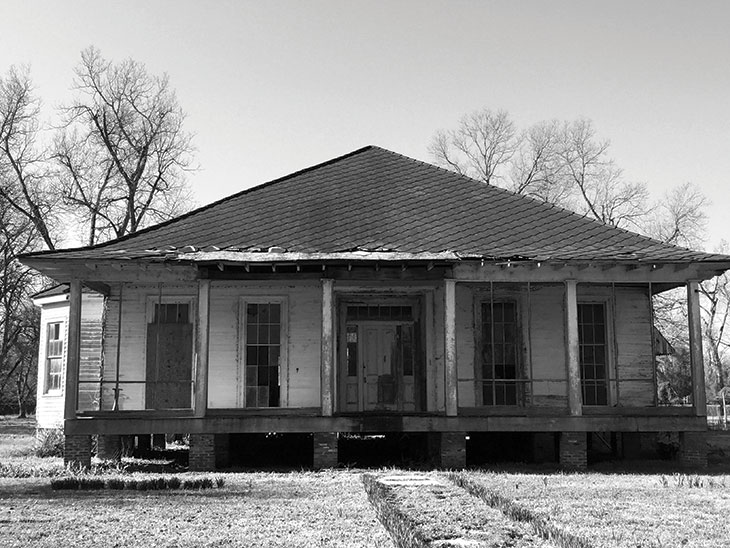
272,87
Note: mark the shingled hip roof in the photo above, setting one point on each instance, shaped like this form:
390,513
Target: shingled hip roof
376,202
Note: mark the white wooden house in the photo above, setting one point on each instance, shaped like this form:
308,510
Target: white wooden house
50,395
376,293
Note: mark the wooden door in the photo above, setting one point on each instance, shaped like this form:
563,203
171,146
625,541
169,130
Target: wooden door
379,378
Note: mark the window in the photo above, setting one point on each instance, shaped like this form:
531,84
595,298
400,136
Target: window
263,354
54,356
592,342
499,364
171,313
169,366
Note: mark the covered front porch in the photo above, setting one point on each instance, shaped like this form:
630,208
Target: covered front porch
411,347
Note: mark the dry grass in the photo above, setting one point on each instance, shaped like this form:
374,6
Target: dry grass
17,444
275,510
624,510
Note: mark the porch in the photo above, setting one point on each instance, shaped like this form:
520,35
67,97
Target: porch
485,350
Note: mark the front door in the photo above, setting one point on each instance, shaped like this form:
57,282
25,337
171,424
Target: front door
380,359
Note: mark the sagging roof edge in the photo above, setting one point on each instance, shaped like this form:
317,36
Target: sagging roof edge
234,257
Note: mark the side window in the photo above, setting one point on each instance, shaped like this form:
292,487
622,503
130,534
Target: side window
499,353
54,356
593,353
262,355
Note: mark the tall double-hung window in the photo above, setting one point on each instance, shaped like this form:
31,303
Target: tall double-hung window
499,353
263,353
593,353
54,356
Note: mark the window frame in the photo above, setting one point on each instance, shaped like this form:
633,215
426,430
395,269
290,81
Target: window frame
47,389
282,301
490,298
609,344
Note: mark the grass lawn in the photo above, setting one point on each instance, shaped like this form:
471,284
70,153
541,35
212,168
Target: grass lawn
253,509
330,509
624,510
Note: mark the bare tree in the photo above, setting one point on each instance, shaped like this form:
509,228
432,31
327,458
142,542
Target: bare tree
537,169
18,319
484,142
715,314
24,184
563,164
679,218
603,193
123,153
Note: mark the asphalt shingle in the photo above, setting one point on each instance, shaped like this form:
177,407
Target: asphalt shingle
376,199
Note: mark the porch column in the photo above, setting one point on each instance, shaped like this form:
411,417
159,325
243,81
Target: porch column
695,349
201,349
328,347
572,348
451,380
73,351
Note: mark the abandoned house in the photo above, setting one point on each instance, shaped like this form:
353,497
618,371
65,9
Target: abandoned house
369,294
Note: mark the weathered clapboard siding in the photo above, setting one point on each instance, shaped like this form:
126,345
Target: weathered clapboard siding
465,339
90,351
633,336
300,384
132,350
435,378
630,368
547,345
50,405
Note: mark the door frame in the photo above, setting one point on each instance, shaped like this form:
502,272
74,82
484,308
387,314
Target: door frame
418,306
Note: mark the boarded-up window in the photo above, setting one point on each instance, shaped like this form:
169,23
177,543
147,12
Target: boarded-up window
54,356
592,341
169,357
499,353
262,355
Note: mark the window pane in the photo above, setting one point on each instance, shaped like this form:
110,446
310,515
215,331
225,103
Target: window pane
275,313
263,350
499,352
593,357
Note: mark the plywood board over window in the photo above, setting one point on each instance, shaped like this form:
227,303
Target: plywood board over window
169,349
264,352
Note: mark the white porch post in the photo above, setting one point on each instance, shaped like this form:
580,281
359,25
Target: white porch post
572,348
450,370
328,348
201,349
73,351
699,403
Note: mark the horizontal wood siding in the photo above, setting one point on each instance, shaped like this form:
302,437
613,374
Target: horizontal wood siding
90,354
49,406
132,350
547,341
630,367
435,379
633,336
465,338
300,376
